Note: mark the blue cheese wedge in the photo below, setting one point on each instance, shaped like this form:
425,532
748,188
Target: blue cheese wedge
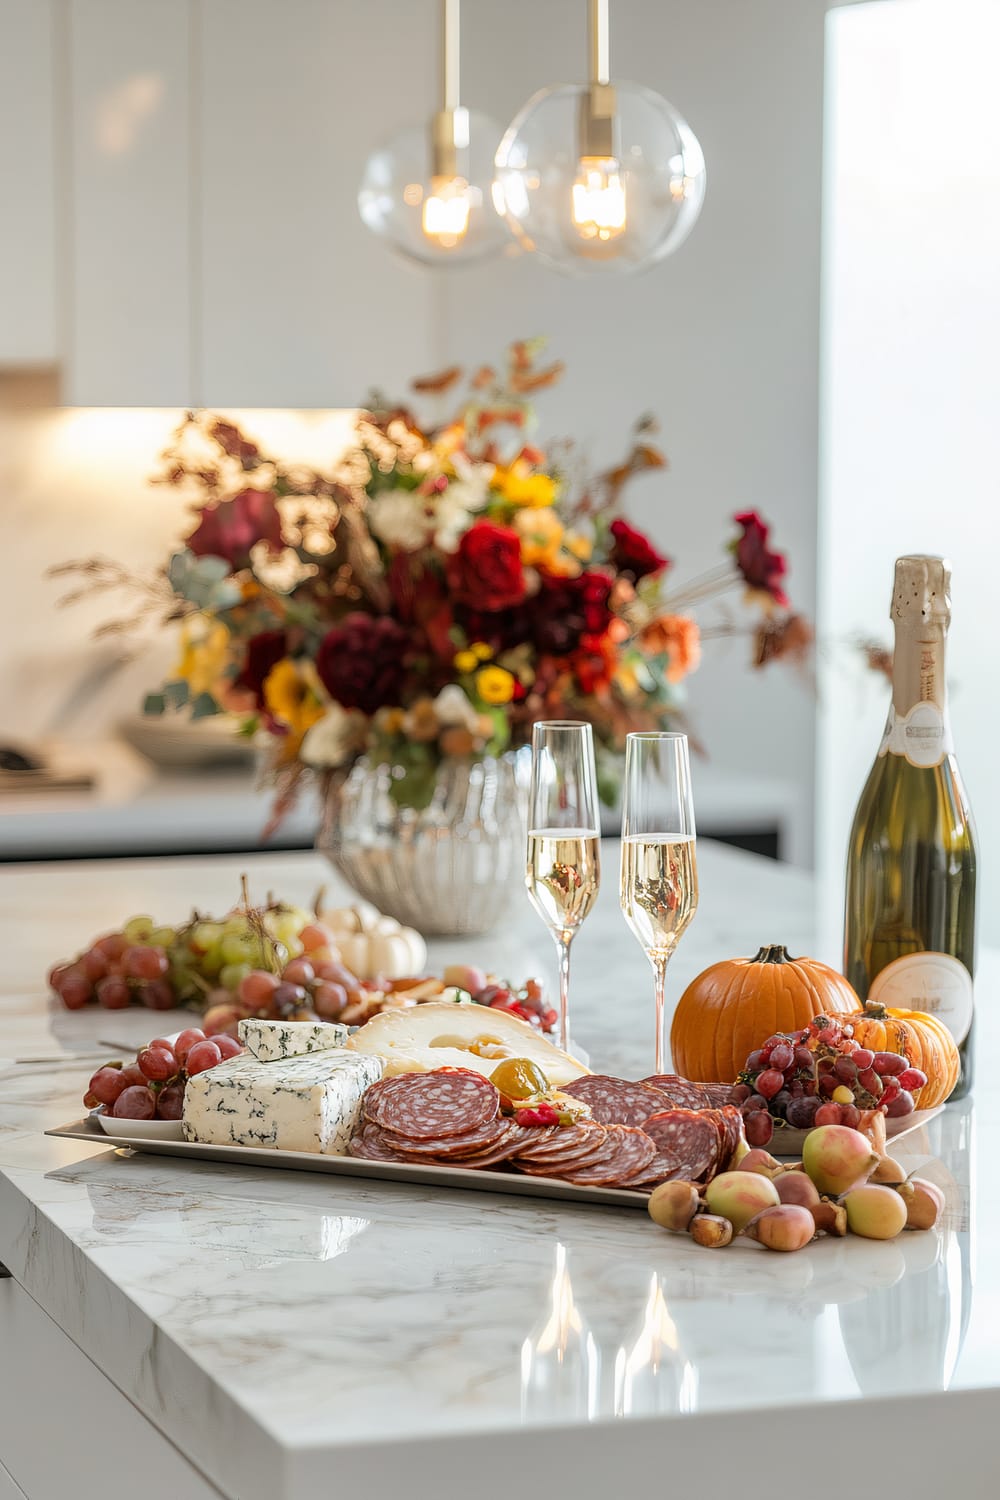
310,1103
273,1041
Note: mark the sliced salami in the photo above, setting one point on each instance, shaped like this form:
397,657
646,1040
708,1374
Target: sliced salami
686,1094
627,1153
558,1140
614,1101
425,1105
663,1168
691,1139
369,1144
589,1149
469,1143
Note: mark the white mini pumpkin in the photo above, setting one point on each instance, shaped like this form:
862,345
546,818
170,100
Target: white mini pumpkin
374,945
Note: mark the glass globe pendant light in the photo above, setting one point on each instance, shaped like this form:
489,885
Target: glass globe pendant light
427,191
599,176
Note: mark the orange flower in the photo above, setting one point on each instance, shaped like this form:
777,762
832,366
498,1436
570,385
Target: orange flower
675,637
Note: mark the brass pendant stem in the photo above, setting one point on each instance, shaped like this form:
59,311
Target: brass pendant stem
598,106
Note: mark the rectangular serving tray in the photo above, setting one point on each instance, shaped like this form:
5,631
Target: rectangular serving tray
480,1180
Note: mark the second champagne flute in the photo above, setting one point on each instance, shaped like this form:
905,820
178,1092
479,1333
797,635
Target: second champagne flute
564,838
659,880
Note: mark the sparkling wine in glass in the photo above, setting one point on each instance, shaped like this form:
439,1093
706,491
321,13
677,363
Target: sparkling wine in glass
659,875
564,838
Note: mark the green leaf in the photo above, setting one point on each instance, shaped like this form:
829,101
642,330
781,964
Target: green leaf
154,704
204,706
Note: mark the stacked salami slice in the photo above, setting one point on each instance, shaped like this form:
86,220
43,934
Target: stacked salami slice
638,1134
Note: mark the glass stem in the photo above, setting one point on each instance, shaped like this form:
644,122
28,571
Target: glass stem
659,962
563,940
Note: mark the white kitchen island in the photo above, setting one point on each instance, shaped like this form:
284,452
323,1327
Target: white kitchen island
194,1330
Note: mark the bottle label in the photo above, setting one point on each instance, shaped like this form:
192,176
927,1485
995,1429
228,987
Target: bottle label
934,982
922,735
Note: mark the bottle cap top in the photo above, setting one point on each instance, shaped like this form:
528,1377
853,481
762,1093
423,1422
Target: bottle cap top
922,591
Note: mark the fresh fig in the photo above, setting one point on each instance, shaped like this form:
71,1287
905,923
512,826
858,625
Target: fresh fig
924,1204
673,1205
797,1187
710,1230
829,1217
788,1227
740,1196
888,1173
759,1160
876,1212
837,1158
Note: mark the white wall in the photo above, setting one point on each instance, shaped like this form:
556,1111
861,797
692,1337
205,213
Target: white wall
911,436
721,340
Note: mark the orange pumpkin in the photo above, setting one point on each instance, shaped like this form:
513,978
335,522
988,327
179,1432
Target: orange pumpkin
921,1038
733,1007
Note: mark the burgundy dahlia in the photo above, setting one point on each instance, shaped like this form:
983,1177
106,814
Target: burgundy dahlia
232,527
634,553
264,651
761,568
360,662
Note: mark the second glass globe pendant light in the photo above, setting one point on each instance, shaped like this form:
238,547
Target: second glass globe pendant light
599,176
427,191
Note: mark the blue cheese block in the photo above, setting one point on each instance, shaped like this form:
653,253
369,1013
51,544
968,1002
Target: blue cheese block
308,1103
272,1041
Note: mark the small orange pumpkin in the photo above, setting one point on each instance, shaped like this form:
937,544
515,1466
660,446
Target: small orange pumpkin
921,1038
733,1007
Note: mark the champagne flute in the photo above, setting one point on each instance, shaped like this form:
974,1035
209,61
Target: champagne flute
564,838
659,878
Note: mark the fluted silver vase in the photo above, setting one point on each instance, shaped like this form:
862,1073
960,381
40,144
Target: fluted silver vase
450,868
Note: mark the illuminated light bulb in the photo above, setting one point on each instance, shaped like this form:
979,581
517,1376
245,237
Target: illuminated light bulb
445,215
599,176
599,199
427,191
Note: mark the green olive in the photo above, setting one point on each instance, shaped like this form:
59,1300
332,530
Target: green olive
519,1078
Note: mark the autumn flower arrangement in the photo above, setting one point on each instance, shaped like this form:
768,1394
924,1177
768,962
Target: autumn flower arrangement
437,590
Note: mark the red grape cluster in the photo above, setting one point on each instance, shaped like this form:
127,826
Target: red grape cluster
527,1003
821,1076
153,1086
114,972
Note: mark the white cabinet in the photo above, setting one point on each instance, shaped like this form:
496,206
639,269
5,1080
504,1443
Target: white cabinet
65,1430
129,276
298,304
27,184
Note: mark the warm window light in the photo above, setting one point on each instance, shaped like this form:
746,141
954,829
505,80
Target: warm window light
445,216
599,199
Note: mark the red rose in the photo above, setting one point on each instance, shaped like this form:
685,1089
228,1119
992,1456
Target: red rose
229,529
761,568
360,661
634,553
566,609
264,651
486,571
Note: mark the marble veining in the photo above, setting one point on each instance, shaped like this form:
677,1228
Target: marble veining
255,1315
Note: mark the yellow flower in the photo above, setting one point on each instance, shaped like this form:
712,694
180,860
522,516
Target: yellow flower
465,661
203,656
579,544
494,685
481,651
291,697
520,487
541,535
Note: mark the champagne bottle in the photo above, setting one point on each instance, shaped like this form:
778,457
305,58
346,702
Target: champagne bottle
909,939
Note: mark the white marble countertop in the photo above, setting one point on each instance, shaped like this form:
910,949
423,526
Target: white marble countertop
296,1334
133,807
